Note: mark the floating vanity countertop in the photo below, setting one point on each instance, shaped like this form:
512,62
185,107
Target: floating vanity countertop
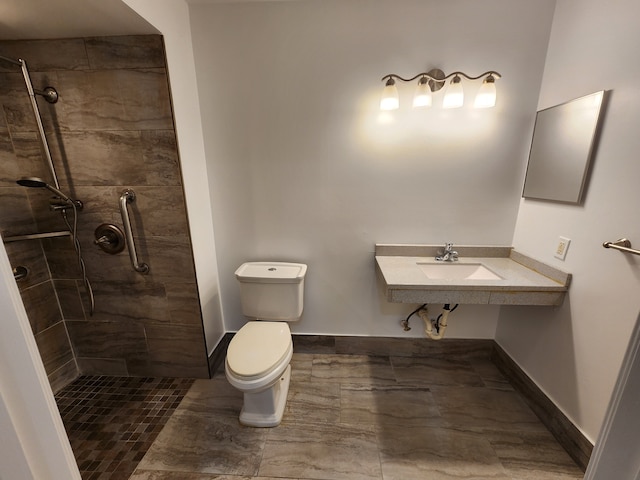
523,280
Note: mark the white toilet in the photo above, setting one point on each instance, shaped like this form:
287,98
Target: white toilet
258,356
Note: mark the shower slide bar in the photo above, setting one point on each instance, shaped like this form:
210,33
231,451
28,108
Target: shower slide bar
623,245
36,114
36,236
51,95
38,118
129,196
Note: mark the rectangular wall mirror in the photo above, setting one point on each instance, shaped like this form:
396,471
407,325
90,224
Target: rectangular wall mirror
563,143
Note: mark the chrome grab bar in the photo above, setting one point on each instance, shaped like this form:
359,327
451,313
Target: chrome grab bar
623,245
129,196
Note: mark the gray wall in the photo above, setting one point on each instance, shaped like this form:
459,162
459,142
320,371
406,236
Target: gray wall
112,129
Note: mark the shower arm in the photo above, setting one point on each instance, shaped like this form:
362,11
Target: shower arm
10,60
36,114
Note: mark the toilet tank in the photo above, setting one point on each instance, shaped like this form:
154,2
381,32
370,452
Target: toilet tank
272,290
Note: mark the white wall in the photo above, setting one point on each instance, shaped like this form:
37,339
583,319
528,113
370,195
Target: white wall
574,352
34,442
303,167
617,450
171,18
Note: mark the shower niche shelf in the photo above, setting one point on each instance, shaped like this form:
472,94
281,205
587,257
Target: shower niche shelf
36,236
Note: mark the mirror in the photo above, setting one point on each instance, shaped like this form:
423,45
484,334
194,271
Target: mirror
563,144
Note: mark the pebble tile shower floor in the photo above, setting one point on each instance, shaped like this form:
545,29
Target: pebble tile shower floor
112,421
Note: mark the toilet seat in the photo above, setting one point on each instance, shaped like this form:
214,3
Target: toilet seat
258,349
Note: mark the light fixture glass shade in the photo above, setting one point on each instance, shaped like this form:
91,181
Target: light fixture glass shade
486,97
390,99
422,97
454,96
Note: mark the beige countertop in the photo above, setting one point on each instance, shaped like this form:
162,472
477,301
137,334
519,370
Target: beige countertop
525,281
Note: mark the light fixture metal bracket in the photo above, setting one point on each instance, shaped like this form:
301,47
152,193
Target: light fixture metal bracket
438,77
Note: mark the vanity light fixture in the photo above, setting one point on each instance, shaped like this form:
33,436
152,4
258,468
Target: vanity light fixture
434,80
486,96
422,98
454,96
390,99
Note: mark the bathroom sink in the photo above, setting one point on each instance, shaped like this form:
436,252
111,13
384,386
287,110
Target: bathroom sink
457,271
483,275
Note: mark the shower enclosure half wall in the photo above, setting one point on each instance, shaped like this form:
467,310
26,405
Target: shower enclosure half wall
111,130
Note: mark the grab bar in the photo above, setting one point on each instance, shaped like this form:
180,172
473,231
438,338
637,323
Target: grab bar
129,196
623,245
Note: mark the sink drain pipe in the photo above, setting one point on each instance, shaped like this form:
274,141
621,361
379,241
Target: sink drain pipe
434,329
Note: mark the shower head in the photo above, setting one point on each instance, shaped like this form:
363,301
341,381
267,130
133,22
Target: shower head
35,182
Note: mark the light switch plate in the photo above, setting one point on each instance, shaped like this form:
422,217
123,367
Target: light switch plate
561,248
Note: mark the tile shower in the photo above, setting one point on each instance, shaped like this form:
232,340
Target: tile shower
111,129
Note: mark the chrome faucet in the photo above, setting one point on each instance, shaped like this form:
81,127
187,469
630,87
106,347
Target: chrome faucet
448,255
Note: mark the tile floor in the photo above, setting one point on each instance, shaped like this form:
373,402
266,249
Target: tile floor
364,417
112,421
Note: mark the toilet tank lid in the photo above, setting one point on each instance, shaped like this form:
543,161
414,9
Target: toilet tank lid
271,272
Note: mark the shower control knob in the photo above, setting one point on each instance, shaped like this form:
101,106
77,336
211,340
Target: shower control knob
109,238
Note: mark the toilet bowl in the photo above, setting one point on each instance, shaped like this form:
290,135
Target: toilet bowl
258,356
257,364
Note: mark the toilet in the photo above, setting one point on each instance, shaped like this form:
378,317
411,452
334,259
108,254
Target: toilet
258,356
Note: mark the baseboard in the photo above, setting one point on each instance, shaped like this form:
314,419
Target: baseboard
392,346
565,432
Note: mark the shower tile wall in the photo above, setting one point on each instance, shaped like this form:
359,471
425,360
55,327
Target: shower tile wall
112,129
37,288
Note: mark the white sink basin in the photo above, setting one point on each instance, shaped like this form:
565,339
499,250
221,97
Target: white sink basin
457,271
